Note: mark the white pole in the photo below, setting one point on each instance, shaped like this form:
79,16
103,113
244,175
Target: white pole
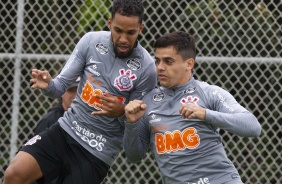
17,75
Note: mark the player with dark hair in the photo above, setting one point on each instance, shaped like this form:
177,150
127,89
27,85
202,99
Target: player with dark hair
114,68
181,120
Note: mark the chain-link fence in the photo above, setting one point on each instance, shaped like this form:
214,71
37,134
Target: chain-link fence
239,49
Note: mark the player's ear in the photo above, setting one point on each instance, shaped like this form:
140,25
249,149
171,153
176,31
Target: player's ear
109,23
190,63
141,27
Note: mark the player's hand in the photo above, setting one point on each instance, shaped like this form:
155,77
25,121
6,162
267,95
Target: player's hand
40,79
110,105
192,111
134,110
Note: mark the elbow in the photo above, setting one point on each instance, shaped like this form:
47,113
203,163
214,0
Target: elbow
257,131
253,131
253,127
256,128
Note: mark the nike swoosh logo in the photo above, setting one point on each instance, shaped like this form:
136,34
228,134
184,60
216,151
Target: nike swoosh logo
93,61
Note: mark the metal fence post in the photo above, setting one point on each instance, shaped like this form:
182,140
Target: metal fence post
17,78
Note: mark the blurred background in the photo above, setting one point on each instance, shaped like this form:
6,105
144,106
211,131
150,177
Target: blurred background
239,48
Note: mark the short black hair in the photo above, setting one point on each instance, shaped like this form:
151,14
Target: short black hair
128,8
183,43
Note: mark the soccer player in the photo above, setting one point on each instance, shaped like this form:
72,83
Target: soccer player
181,120
114,68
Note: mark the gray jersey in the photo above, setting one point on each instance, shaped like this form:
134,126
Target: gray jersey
94,60
189,151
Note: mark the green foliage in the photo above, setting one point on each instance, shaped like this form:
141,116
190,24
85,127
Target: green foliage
233,25
93,15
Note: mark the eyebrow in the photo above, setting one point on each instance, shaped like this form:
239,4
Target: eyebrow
131,30
165,58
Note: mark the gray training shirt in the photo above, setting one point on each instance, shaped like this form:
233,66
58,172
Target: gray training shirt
189,151
94,60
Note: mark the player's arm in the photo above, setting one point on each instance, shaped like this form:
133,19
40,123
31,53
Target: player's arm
73,68
226,113
136,135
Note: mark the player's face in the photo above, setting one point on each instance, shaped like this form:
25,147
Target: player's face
124,32
172,70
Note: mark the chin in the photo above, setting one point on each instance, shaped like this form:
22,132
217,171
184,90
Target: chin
122,54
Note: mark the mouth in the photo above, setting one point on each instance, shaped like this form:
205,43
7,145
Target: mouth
161,77
123,48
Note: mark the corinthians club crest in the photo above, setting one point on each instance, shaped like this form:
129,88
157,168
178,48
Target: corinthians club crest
124,81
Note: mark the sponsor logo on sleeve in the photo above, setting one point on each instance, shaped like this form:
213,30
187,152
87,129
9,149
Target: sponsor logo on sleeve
33,140
201,181
124,81
133,64
222,100
70,61
102,48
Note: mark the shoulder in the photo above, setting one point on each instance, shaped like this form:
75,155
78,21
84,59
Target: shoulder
213,91
144,55
97,33
207,88
95,36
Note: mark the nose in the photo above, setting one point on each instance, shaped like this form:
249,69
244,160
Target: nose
160,66
123,38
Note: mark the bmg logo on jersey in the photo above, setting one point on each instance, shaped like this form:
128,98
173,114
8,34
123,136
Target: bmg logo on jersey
201,181
88,96
176,140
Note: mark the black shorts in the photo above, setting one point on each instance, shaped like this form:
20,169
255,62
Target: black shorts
59,155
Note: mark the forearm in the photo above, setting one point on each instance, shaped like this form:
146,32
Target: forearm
134,149
243,124
52,90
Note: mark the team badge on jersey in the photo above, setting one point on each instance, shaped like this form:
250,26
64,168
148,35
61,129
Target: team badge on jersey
133,64
189,99
124,81
158,97
102,48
